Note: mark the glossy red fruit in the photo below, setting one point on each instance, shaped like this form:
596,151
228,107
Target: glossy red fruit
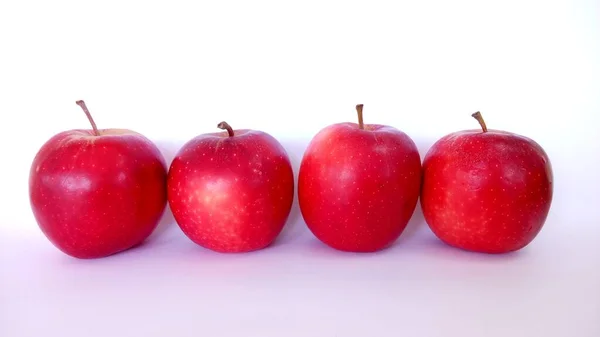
95,192
359,184
232,191
486,190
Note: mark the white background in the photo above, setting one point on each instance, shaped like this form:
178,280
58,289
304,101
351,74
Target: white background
172,70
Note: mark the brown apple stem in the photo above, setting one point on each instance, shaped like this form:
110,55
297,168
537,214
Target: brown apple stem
479,118
81,103
359,110
225,126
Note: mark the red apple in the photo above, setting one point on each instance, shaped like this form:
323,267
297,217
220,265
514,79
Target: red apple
97,192
231,191
486,190
359,184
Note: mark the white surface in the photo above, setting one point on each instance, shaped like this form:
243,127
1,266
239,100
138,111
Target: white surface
175,70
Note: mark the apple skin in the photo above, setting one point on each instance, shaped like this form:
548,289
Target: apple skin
358,188
94,196
231,194
487,192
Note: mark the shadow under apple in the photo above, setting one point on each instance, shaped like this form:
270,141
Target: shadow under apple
294,226
415,225
436,247
169,150
417,222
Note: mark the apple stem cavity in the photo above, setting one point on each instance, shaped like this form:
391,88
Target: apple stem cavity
81,103
226,126
477,115
359,111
